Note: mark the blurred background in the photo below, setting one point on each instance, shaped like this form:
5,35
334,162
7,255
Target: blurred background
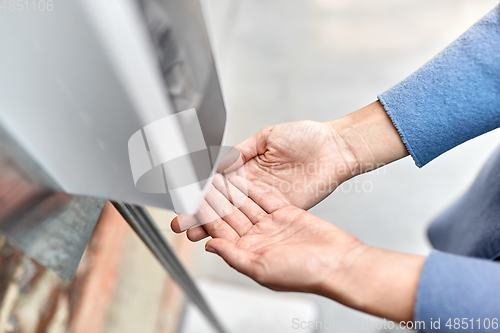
278,61
288,60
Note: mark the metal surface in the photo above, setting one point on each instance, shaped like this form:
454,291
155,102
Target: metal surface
56,231
79,81
144,226
178,33
49,226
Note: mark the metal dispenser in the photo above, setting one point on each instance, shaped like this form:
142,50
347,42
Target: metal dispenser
76,83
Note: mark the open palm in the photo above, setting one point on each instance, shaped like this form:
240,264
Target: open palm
287,250
300,162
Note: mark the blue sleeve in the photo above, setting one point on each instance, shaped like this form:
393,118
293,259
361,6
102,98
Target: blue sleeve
453,286
454,97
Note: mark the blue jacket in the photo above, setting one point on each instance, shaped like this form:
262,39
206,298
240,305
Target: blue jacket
454,98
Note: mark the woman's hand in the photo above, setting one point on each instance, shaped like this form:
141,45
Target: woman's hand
293,250
299,163
287,248
290,250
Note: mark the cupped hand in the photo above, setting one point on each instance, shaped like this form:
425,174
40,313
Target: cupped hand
286,248
289,250
299,163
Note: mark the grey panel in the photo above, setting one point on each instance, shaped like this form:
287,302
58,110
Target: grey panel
48,226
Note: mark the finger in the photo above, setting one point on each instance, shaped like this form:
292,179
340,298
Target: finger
236,257
264,195
239,199
183,222
218,202
240,196
196,234
213,224
225,209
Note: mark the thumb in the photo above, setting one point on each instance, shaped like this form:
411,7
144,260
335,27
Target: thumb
245,151
236,257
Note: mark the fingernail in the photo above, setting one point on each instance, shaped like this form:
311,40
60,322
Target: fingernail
210,249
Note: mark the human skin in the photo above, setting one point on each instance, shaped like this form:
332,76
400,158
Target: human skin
272,239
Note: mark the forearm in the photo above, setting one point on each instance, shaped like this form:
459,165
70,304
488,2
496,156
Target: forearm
377,281
370,138
454,97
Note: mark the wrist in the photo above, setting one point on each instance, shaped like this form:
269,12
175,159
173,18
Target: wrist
377,281
368,138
